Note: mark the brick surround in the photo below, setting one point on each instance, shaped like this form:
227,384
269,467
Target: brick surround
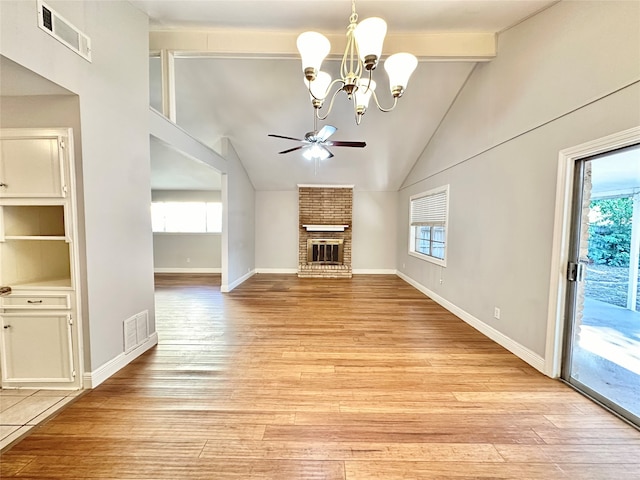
324,206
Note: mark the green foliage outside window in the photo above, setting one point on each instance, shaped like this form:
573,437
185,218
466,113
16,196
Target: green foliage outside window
610,232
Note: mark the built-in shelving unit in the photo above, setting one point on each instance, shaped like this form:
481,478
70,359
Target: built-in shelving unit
38,258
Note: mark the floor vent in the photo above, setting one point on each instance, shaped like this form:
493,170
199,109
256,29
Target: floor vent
59,28
136,330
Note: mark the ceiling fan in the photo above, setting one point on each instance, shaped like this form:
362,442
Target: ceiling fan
314,144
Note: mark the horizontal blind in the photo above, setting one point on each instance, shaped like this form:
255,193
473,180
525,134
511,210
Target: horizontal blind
429,210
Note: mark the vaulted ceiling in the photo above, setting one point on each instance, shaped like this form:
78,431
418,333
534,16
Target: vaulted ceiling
228,91
229,83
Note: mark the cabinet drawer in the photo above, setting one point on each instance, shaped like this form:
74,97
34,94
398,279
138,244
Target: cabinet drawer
49,302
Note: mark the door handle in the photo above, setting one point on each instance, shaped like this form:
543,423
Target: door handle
576,271
7,326
3,185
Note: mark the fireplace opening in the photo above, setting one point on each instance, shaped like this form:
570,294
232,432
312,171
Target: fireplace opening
325,251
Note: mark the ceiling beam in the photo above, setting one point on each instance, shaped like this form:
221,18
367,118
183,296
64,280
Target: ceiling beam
474,47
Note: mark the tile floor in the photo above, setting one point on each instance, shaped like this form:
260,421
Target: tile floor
23,409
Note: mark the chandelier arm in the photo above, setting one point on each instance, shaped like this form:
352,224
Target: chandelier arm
320,117
370,79
326,93
382,109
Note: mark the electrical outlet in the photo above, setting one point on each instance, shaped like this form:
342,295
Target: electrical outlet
188,260
403,265
496,313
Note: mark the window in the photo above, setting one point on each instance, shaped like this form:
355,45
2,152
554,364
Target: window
428,229
186,217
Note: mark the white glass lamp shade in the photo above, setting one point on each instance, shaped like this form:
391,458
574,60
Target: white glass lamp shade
363,94
316,152
319,85
399,67
370,34
313,48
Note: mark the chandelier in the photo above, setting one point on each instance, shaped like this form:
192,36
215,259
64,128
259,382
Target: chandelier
361,55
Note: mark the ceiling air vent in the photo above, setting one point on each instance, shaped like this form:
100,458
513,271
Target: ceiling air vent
55,25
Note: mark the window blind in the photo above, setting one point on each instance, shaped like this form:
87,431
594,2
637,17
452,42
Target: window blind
429,210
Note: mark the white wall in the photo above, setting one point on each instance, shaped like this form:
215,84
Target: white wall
238,221
568,75
277,231
374,235
374,232
113,94
187,252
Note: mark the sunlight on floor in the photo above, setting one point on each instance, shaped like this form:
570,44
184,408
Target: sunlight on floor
611,345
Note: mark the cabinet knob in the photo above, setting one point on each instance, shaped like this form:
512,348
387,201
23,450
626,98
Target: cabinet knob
7,326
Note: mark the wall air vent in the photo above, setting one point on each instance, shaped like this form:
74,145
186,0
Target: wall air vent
59,28
136,330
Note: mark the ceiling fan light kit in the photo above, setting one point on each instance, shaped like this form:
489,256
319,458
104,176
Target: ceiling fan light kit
361,56
314,145
316,152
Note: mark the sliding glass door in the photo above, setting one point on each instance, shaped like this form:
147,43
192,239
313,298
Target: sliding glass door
602,340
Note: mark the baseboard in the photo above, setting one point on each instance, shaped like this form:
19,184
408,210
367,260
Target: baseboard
242,279
188,270
277,270
522,352
95,378
374,271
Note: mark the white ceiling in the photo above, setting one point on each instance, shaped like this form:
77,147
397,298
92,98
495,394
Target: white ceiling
332,15
170,170
245,99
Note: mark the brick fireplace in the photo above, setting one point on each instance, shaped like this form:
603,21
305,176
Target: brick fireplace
324,231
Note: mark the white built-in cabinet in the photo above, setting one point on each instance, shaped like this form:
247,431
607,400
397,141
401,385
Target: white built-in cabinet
39,345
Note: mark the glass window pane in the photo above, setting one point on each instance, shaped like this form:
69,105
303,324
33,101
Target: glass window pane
157,217
438,234
155,83
214,217
185,217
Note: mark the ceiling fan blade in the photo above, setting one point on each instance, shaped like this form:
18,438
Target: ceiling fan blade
282,136
339,143
325,132
292,149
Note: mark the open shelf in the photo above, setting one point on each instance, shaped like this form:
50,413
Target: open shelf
35,263
46,284
33,221
26,237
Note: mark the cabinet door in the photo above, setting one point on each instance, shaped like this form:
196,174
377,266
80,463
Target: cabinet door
36,347
31,167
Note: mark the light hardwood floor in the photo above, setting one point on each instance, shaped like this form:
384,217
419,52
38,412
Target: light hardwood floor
288,378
